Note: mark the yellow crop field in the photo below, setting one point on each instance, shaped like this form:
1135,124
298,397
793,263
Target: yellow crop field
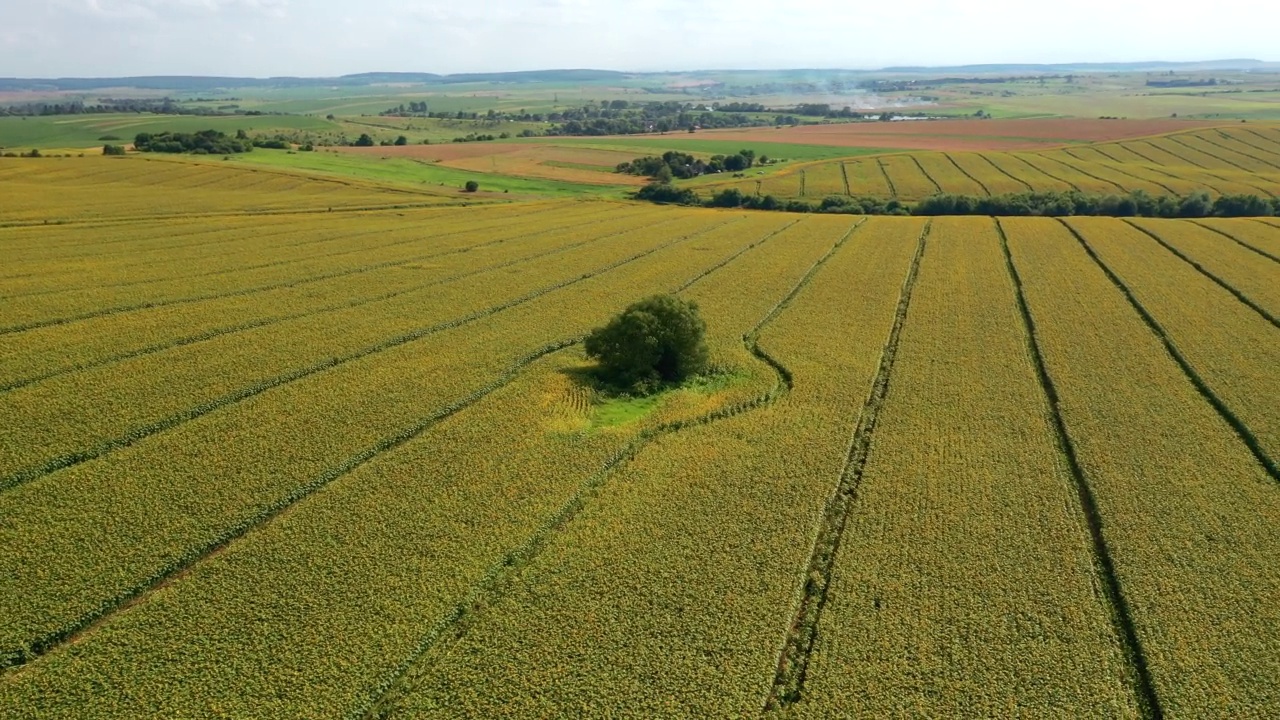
1225,160
276,446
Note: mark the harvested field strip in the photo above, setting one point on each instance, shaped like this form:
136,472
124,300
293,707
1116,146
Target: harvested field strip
1262,238
1187,513
793,660
46,352
1000,170
949,176
966,472
1226,350
527,481
86,415
686,494
386,244
86,507
1036,173
1252,280
308,308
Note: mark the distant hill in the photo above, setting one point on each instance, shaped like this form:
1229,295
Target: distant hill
200,83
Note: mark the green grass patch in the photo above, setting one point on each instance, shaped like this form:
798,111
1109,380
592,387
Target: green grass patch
610,409
416,174
62,131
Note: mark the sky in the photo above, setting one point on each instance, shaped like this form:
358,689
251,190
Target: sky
321,38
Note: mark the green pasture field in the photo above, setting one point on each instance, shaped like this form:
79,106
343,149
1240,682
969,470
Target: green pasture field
63,131
414,173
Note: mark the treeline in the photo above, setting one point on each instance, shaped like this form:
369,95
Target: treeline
203,142
683,166
160,106
1047,204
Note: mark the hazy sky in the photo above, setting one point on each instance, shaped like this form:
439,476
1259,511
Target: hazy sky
49,38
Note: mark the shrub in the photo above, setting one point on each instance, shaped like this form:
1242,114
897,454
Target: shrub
471,186
113,150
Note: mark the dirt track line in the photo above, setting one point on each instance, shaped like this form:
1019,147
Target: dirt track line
966,173
120,309
802,632
138,434
49,642
454,624
1238,241
1005,173
310,312
1242,430
1118,607
1204,271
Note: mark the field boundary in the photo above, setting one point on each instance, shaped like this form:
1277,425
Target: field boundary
1143,685
798,641
1241,429
453,624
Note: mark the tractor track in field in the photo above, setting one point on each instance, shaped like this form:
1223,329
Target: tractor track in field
1213,143
10,657
1210,171
248,235
309,312
1119,170
964,172
455,623
888,181
802,631
1207,273
936,187
295,260
1238,241
1157,167
138,434
1006,173
345,272
1046,173
1121,616
1242,430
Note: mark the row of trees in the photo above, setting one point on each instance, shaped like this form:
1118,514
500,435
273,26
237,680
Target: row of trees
211,142
1048,204
675,164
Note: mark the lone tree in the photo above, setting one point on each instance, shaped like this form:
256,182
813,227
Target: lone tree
471,186
659,339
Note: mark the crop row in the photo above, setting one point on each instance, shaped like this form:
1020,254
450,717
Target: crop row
69,418
160,188
1214,160
1188,513
63,347
378,555
99,262
965,580
665,596
1227,345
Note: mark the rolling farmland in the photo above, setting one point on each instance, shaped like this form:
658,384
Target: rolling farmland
283,446
1227,160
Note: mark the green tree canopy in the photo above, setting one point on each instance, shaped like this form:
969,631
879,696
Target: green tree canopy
658,339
